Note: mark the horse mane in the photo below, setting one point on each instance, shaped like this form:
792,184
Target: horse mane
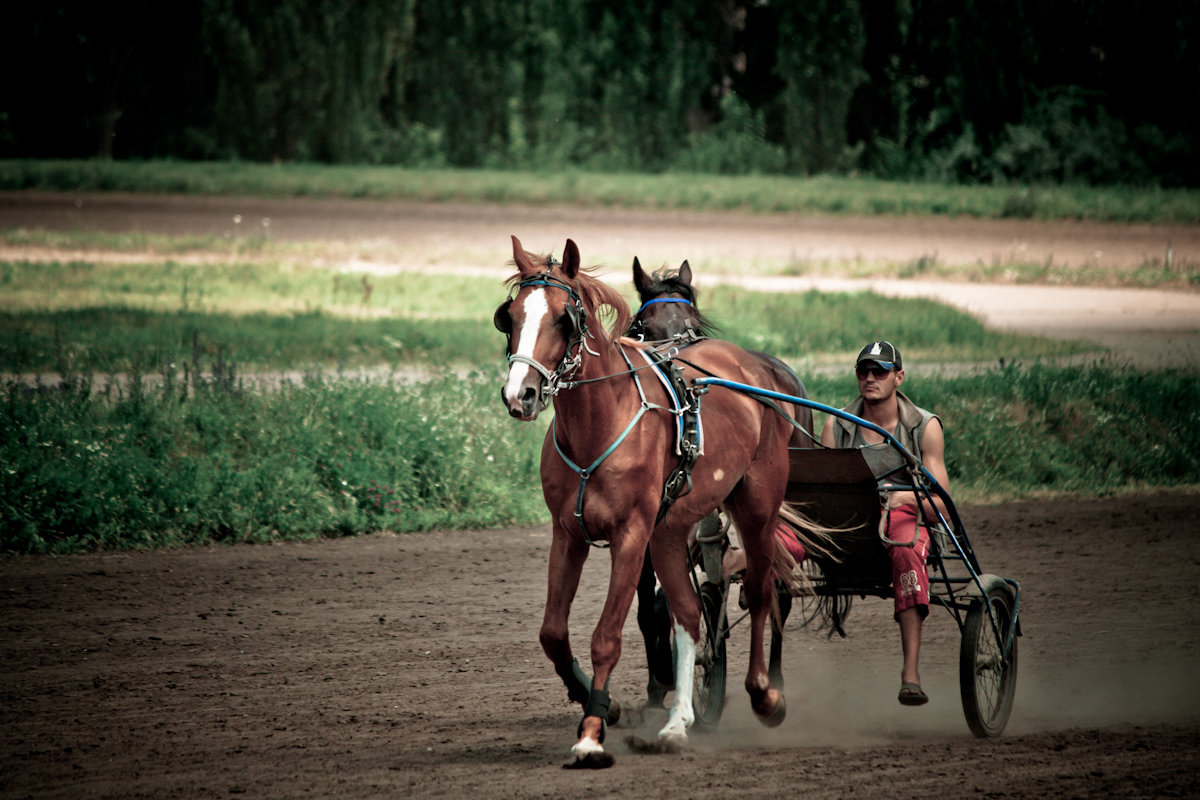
667,281
600,299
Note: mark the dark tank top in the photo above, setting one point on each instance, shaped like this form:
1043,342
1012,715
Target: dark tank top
881,458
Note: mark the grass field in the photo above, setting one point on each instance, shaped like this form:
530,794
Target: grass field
141,429
113,316
670,191
155,438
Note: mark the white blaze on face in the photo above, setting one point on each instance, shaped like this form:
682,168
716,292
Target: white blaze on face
535,308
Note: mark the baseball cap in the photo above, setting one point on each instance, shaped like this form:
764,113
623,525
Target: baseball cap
883,353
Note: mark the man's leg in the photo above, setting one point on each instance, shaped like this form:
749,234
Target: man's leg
910,583
910,642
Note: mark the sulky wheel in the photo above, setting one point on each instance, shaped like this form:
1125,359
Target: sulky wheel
708,690
988,681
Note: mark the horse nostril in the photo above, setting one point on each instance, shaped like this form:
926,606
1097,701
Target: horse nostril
528,399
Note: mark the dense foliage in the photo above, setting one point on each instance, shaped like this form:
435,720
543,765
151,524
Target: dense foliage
200,461
1000,91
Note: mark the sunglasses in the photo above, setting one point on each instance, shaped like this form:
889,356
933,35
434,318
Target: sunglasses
879,371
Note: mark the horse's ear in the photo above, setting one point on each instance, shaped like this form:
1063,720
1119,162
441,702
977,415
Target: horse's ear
520,257
685,273
641,281
570,263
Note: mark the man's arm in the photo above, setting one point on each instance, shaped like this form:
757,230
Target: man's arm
933,456
827,432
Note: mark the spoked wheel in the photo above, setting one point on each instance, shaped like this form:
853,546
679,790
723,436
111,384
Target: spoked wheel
708,687
987,679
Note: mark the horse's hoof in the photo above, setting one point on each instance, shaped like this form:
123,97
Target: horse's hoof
672,744
776,717
597,759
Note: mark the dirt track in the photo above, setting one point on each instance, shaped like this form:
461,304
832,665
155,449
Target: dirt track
408,666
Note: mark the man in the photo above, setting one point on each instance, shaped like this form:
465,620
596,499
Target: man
880,373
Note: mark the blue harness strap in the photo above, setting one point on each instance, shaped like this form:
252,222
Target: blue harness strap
688,432
663,300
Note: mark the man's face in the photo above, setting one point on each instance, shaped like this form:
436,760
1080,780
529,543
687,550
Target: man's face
876,380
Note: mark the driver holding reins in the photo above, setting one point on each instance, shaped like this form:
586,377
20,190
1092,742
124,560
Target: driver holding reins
880,373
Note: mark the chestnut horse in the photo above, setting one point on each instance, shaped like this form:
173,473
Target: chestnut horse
616,419
669,316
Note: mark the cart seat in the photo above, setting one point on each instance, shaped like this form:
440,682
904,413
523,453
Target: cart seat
836,488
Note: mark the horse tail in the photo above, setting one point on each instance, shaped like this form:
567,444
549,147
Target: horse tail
826,612
798,535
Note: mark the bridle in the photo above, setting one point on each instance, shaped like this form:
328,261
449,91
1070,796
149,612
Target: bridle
684,337
572,359
560,378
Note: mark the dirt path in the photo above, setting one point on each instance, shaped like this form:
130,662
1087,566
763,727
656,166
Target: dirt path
1150,328
408,666
655,236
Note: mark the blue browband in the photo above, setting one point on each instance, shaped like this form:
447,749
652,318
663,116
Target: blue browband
663,300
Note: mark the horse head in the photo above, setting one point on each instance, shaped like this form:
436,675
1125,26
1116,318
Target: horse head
546,321
668,309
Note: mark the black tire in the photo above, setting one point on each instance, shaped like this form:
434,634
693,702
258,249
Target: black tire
988,681
708,686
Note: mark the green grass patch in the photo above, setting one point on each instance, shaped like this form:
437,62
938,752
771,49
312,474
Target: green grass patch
186,464
752,194
200,462
113,317
219,286
116,339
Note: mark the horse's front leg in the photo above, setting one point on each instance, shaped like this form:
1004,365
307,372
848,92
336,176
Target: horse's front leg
669,555
566,564
627,557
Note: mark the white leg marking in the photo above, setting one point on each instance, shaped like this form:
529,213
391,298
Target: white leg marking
585,747
535,308
682,714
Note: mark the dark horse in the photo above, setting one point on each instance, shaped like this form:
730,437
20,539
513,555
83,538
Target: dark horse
669,317
618,422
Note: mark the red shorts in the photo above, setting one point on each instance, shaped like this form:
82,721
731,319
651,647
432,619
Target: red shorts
790,543
910,579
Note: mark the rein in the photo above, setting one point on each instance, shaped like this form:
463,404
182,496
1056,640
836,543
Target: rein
700,386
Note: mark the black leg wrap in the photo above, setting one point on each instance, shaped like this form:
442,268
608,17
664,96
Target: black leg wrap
577,682
597,706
